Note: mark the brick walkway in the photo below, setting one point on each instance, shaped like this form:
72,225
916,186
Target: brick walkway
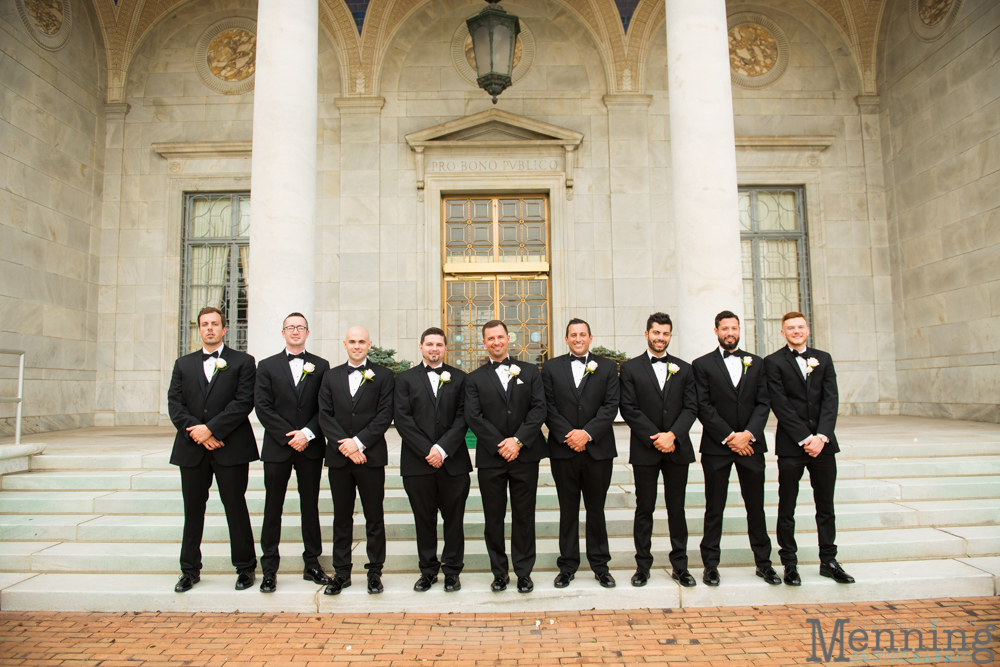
711,636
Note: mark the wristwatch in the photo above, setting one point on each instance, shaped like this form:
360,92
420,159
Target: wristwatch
518,442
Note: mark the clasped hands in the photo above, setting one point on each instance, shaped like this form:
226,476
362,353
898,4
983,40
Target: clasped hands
813,446
741,443
203,436
509,449
577,440
664,442
349,448
299,441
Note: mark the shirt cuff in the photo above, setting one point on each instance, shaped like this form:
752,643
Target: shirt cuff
308,433
440,451
729,436
590,438
802,443
361,447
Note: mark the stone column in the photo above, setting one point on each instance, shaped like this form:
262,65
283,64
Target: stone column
703,164
283,172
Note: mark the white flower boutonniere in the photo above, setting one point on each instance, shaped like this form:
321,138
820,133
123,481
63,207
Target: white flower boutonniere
671,369
308,368
367,376
220,365
514,371
445,378
811,364
591,367
747,361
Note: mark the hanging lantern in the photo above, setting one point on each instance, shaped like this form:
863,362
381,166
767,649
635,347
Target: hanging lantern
494,34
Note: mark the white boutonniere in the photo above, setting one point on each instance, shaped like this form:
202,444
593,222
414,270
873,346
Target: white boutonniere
514,371
747,361
671,369
220,365
811,364
445,378
367,376
591,367
307,369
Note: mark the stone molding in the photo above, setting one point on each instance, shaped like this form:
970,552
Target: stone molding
359,105
116,112
868,104
49,42
175,152
791,142
628,103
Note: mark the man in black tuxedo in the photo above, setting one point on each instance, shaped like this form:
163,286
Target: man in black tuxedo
804,397
733,407
659,404
434,460
581,390
209,399
287,402
505,408
355,411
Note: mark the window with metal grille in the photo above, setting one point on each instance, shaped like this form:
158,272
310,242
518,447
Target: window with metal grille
775,263
215,264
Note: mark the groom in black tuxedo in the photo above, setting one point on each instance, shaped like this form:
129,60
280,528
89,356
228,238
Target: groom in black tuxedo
581,390
434,460
733,407
355,411
505,408
659,404
804,398
209,399
287,402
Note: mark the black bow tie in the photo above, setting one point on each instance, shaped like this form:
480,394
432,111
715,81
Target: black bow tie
582,360
658,360
437,370
796,353
726,354
498,364
206,357
300,355
359,369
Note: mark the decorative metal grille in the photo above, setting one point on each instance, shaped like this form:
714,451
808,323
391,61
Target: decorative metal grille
500,235
775,263
215,264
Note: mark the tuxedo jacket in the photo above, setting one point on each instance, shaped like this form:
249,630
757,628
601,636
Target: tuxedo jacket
493,418
223,405
365,416
804,406
724,409
423,420
593,408
282,407
648,410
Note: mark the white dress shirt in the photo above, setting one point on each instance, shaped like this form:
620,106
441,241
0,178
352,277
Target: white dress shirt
734,365
435,385
800,359
579,369
503,372
659,369
296,367
209,363
353,382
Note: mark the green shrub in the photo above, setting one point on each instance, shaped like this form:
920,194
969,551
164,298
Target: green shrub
384,357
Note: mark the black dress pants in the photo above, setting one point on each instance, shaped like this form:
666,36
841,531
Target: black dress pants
428,494
523,481
308,473
675,476
823,477
232,482
751,473
346,484
573,476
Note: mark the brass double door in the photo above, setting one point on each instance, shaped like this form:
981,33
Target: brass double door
496,267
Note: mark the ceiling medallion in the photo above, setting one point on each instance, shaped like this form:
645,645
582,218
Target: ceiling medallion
464,60
758,50
930,19
48,22
226,56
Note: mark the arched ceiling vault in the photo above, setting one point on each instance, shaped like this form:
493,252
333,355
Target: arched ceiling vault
124,24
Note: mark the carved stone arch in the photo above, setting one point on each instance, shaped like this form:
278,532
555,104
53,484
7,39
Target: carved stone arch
337,21
647,20
860,22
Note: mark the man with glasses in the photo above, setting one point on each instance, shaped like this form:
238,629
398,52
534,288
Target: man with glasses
287,402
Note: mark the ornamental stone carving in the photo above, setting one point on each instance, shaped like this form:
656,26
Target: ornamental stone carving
758,50
930,19
47,22
225,56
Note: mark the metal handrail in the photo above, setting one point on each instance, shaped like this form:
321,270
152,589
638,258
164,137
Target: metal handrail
20,393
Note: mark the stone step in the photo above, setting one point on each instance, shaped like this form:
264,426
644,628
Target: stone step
917,579
399,526
161,557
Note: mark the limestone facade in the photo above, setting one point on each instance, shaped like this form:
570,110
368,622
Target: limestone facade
102,138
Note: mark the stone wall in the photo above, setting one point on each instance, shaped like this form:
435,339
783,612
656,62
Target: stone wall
51,176
940,120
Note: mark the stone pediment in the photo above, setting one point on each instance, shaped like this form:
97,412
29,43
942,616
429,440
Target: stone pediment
493,127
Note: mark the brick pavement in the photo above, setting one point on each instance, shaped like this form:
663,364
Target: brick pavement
772,635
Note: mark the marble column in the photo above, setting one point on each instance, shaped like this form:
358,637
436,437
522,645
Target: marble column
703,167
282,274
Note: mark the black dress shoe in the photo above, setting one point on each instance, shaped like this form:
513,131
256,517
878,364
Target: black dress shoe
317,576
452,583
424,583
339,583
500,583
683,577
375,583
711,576
563,579
769,575
640,578
186,583
835,572
525,584
244,580
605,579
792,576
269,583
